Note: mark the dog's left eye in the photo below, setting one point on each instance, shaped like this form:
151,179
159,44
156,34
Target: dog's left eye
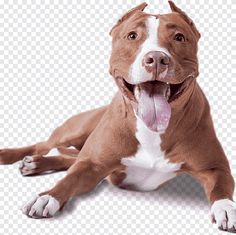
132,35
179,37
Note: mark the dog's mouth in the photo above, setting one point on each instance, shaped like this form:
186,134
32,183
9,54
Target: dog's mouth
153,100
172,91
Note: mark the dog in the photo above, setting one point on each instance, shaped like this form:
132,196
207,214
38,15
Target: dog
157,126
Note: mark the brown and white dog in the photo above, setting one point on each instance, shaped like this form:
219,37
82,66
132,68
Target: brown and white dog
157,126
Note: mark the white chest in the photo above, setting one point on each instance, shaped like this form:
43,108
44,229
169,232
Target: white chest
148,168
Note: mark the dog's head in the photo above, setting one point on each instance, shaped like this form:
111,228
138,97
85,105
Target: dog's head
153,58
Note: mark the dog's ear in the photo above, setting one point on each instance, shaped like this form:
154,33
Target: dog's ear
174,8
140,7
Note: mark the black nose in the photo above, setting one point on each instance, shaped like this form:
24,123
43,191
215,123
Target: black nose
156,60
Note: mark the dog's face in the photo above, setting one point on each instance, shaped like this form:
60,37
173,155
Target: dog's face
153,57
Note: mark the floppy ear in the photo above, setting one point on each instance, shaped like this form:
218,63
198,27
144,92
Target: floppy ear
140,7
174,8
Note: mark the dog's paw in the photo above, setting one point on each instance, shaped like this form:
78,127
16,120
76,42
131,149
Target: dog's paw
28,166
223,213
32,165
44,206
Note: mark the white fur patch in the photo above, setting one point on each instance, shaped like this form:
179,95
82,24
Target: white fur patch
52,153
41,207
27,166
137,72
223,213
148,168
72,147
28,163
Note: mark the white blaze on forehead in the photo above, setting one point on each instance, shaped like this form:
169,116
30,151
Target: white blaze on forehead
137,72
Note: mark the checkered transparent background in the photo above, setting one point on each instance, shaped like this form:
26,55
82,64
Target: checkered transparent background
53,64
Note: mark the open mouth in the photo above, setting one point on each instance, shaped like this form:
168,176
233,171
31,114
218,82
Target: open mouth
153,100
172,91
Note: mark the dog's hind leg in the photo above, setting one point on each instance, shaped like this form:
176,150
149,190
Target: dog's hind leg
74,132
11,155
56,160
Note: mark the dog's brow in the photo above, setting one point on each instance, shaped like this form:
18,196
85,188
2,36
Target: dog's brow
172,25
138,24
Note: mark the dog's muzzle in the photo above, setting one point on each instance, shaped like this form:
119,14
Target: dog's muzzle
156,62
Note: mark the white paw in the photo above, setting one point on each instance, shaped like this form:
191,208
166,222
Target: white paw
27,165
223,213
41,207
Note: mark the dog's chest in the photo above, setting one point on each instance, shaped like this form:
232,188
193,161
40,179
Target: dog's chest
148,168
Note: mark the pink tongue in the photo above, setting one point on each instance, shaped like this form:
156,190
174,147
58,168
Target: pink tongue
153,107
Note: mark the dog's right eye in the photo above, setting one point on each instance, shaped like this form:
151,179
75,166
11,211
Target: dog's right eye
132,35
179,37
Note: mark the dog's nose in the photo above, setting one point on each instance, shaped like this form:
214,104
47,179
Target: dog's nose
156,60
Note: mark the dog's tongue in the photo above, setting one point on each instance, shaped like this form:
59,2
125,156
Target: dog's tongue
153,107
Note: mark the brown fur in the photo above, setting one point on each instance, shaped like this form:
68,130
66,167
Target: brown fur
105,135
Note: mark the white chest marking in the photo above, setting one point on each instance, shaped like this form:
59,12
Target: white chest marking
148,168
137,72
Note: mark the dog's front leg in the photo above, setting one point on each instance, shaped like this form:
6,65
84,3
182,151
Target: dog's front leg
99,157
219,187
82,177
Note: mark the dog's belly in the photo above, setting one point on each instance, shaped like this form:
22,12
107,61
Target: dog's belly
148,168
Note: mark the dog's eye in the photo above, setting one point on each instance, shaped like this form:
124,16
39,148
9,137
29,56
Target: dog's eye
179,37
132,35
